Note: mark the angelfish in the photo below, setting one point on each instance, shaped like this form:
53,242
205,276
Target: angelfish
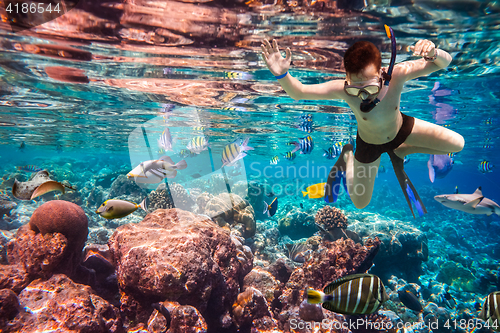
352,294
115,208
490,311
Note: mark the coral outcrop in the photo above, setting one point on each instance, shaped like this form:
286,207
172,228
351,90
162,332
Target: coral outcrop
175,255
59,304
62,217
231,209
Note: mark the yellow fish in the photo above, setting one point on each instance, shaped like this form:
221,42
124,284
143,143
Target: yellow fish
315,191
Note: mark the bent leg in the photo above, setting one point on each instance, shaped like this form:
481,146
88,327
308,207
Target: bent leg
433,137
360,179
405,149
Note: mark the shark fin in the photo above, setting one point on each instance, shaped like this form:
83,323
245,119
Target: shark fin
407,187
475,202
478,191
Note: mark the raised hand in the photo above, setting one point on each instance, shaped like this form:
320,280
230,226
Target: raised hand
424,48
273,58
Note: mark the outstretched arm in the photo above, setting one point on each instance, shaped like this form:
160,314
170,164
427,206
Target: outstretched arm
432,60
293,87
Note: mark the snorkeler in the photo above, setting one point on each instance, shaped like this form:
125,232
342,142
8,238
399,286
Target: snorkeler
374,93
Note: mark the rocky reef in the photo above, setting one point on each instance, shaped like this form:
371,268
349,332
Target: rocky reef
231,209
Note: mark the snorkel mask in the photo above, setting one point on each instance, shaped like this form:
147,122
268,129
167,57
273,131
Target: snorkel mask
368,105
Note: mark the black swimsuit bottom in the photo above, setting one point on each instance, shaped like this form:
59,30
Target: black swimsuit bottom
368,153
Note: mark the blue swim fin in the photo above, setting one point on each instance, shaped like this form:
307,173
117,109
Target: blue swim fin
336,177
409,190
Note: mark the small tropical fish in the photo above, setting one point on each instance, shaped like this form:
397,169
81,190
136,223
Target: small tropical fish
306,126
315,191
165,140
298,252
234,75
306,117
234,152
490,312
352,294
115,208
488,121
452,155
22,146
456,190
186,153
154,171
290,155
29,168
333,151
381,169
270,209
410,300
199,128
485,167
305,145
198,144
274,160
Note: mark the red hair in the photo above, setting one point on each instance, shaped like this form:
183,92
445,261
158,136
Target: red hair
360,55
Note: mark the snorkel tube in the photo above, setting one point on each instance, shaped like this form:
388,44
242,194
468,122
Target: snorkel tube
367,106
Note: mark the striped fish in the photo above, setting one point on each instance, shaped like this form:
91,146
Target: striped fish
290,156
165,140
352,294
235,151
186,153
490,312
274,160
305,145
485,167
199,128
197,144
29,168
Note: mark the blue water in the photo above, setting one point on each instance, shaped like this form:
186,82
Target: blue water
209,74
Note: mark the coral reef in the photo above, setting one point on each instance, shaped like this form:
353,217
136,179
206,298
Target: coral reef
331,218
330,262
183,319
263,281
60,304
296,223
457,276
176,255
160,199
181,197
125,186
227,208
250,306
403,250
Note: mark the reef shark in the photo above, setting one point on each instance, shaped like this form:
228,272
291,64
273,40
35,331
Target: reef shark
474,203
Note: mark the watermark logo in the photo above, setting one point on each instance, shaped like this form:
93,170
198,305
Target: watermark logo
26,14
